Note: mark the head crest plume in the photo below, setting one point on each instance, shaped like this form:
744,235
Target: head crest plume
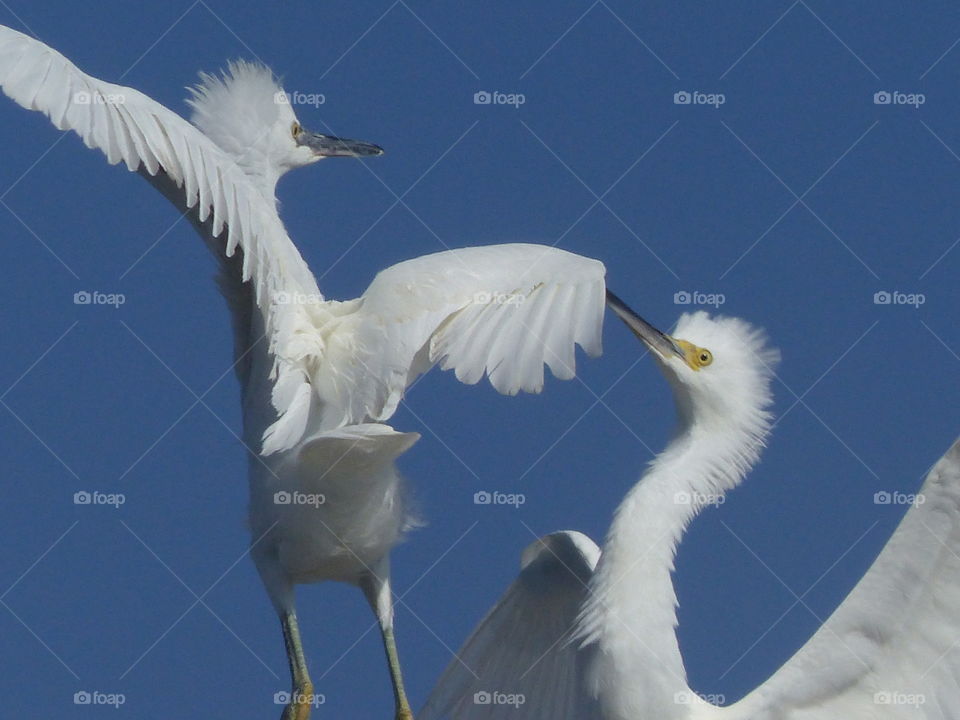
237,108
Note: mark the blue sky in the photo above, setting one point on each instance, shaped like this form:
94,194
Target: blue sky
796,199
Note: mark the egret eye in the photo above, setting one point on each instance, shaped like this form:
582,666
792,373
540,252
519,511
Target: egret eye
296,129
704,357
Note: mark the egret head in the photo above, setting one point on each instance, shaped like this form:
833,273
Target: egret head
720,368
248,115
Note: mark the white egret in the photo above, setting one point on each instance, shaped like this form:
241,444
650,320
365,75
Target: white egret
604,640
319,378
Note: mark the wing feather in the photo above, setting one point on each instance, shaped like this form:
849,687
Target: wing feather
507,376
475,327
892,648
518,662
415,314
530,372
499,310
559,355
203,180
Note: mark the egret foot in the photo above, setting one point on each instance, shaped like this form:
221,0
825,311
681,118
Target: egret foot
404,714
301,700
302,697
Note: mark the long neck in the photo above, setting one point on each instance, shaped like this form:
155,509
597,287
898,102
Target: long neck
629,623
262,173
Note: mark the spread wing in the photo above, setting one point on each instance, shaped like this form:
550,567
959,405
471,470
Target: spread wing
201,180
518,663
892,648
499,310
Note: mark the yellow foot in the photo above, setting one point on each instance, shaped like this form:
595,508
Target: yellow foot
301,701
404,714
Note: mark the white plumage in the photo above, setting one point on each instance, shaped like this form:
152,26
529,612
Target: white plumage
519,661
328,374
483,310
891,650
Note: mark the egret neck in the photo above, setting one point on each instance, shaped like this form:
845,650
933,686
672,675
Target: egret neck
628,624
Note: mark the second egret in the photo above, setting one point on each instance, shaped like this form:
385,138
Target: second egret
605,638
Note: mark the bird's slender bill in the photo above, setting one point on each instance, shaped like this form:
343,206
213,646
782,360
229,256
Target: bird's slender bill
330,146
661,343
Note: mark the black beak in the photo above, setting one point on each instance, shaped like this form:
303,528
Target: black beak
330,146
658,341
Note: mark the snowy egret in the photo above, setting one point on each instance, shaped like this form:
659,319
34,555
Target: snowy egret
604,639
319,378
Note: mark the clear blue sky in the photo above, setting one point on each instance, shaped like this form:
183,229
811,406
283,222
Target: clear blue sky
798,199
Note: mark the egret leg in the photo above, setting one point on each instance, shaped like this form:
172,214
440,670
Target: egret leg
393,661
301,698
376,587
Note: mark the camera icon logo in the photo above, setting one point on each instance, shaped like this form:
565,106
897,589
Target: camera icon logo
82,698
82,298
82,498
481,698
882,98
681,298
682,97
282,498
482,498
482,97
882,498
81,98
281,698
881,298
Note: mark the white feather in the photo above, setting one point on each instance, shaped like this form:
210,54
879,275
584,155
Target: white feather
317,376
334,370
469,310
519,662
889,651
105,115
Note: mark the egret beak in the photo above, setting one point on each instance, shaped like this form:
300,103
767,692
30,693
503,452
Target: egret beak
330,146
659,342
